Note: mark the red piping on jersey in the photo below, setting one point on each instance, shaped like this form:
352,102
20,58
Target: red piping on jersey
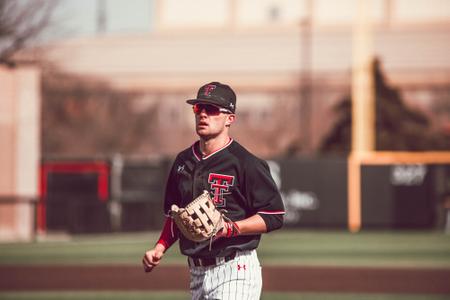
277,212
198,157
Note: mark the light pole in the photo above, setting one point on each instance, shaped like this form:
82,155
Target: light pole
306,109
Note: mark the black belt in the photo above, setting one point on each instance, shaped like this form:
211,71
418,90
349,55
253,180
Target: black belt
210,261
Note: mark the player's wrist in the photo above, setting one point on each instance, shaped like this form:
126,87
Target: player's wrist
229,229
161,246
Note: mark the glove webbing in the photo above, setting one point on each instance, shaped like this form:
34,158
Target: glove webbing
202,214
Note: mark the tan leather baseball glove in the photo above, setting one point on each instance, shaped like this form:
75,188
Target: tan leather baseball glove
199,220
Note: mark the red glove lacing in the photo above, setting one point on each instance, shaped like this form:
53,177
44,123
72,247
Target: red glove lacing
230,229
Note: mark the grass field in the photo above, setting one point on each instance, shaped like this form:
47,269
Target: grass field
286,247
422,249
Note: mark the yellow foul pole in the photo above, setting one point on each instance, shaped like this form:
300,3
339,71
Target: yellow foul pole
363,112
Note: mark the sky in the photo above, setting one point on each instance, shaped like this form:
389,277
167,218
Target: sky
79,17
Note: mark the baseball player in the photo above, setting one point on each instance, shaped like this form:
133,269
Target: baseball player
239,184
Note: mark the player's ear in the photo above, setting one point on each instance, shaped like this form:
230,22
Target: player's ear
230,119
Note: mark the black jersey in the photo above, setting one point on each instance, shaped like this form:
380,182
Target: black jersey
238,182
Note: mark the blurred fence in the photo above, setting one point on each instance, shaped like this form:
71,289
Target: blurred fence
85,196
121,194
405,195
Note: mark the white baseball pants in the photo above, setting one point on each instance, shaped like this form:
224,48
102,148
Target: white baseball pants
237,279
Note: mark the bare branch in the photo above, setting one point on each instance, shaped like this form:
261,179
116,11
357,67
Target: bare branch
21,23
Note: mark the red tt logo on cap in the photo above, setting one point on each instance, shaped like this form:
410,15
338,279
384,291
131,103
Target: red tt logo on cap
208,89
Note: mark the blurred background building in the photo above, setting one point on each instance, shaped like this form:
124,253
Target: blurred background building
289,61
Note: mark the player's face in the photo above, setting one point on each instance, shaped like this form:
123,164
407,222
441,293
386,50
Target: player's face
210,120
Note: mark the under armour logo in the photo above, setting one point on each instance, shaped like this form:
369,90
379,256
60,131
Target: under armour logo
242,267
180,168
231,105
208,89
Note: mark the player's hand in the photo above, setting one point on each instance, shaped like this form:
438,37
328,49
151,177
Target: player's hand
152,259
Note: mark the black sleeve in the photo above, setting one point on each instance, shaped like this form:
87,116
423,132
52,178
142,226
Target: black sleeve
263,194
273,222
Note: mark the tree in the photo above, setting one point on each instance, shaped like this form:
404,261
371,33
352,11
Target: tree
86,117
398,127
22,22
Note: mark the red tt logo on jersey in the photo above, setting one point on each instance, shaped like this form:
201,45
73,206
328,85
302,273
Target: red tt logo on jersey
219,185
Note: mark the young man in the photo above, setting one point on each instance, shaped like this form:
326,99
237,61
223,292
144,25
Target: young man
238,182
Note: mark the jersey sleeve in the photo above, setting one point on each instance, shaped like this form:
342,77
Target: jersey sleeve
263,194
169,234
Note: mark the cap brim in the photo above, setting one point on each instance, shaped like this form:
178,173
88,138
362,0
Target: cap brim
208,101
194,101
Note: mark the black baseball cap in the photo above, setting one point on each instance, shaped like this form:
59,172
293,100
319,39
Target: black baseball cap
216,93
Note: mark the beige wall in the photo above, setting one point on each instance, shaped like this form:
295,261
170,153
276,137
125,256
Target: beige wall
245,14
19,150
